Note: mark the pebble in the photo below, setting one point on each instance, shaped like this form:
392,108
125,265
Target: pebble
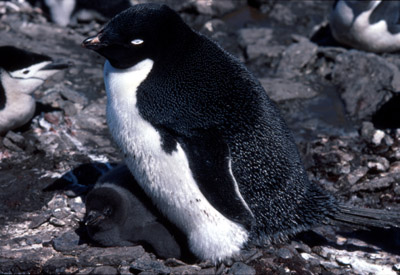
343,260
378,164
104,270
396,267
57,222
396,190
241,268
374,184
145,263
357,174
377,137
322,251
301,247
68,241
16,139
284,253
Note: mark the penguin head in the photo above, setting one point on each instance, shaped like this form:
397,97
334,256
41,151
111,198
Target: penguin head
106,208
25,71
140,32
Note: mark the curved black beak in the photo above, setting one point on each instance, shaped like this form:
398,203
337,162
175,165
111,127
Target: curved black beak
92,43
93,217
55,66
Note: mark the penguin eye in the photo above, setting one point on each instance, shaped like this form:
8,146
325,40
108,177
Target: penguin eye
137,41
25,72
107,211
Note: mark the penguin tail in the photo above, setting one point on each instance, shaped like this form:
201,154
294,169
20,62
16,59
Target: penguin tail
365,218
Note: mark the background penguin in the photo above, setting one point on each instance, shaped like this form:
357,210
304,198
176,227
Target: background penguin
118,214
61,12
367,25
204,141
21,73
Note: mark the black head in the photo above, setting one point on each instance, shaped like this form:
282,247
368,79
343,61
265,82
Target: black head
13,59
140,32
105,208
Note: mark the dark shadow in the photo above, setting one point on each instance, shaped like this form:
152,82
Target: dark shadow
323,37
81,179
386,239
388,116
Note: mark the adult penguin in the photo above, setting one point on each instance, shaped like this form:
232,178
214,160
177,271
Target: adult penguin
202,138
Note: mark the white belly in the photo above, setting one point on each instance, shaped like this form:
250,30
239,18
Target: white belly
166,178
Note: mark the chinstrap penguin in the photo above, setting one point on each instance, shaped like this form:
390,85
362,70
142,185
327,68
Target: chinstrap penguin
118,214
203,140
21,73
367,25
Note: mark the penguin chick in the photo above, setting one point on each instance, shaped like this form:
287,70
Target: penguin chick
367,25
202,138
118,215
21,73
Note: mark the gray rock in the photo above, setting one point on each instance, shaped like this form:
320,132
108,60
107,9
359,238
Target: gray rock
214,26
241,268
301,247
378,164
253,36
185,269
146,263
40,219
284,253
74,96
296,57
67,242
216,8
279,89
365,82
9,144
356,175
57,265
112,256
256,43
104,270
374,184
16,139
396,190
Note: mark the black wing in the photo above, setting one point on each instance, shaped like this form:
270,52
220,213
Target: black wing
209,160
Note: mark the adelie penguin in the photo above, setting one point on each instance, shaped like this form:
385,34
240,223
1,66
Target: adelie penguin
204,141
118,213
369,25
21,73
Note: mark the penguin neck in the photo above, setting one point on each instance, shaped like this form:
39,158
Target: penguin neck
121,84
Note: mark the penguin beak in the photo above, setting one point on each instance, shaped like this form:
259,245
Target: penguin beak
93,217
92,43
55,66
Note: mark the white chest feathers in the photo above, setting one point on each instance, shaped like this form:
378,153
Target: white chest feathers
166,178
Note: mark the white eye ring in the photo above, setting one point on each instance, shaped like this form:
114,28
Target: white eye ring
137,41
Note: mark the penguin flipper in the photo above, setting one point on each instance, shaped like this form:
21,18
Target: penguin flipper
210,162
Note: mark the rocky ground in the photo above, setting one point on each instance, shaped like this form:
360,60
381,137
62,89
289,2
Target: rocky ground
341,104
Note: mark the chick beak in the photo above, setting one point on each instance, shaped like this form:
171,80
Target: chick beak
93,217
92,43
